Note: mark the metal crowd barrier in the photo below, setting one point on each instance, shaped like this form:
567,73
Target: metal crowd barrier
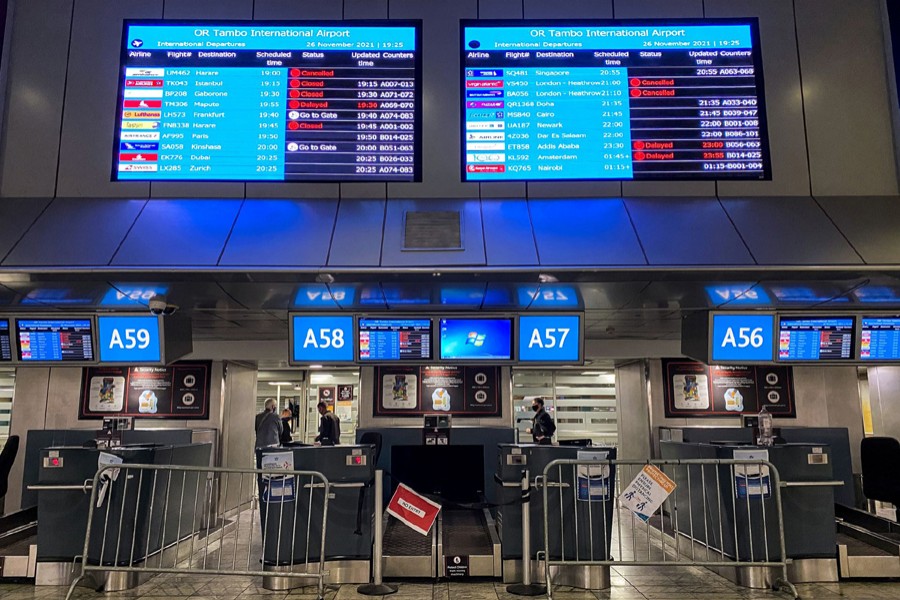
736,522
152,519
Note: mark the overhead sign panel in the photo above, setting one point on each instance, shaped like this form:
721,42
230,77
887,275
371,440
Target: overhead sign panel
5,341
816,338
321,339
550,339
66,340
742,338
880,338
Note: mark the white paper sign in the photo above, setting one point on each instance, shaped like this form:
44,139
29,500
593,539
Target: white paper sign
752,480
646,493
593,480
104,459
278,461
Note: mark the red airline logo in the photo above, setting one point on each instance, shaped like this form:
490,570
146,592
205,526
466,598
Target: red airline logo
143,103
143,83
133,157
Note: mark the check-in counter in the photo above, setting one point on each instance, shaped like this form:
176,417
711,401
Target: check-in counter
579,523
291,511
63,507
720,508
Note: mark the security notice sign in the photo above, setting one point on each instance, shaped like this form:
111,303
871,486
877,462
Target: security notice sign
416,511
646,493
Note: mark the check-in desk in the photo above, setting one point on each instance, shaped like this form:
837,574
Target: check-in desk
721,509
64,496
579,522
291,511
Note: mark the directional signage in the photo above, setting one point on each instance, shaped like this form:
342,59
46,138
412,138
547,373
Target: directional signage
742,338
550,339
322,339
130,339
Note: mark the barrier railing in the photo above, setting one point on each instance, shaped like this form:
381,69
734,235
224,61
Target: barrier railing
722,513
152,519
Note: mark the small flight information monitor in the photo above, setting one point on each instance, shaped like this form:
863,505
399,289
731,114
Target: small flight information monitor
269,101
880,338
5,342
583,100
55,340
815,338
388,340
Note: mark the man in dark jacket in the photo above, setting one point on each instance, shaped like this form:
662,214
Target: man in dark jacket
542,425
268,426
286,429
329,426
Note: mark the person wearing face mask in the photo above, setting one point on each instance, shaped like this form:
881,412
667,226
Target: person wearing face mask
542,425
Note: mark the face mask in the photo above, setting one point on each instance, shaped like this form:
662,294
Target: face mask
535,407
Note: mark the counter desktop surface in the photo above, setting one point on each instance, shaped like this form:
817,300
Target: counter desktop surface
809,524
62,514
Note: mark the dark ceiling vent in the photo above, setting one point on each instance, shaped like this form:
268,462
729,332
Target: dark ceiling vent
432,230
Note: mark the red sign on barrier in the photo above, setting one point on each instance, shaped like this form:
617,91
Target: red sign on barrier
414,510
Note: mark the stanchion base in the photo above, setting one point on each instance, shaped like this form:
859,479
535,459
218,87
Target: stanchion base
376,589
530,589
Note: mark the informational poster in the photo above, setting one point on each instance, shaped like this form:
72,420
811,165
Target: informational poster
327,395
472,391
693,389
345,393
646,493
177,392
593,480
752,480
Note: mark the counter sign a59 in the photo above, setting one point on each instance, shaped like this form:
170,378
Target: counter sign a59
129,339
742,338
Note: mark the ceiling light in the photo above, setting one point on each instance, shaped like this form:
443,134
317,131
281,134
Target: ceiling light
281,383
315,366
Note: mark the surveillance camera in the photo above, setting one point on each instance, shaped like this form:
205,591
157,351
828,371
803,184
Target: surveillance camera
159,306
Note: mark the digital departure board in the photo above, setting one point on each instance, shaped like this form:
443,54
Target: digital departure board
584,100
815,338
55,340
388,339
271,101
476,339
5,342
880,339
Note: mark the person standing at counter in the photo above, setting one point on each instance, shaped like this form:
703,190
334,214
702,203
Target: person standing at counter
542,425
286,429
268,426
329,426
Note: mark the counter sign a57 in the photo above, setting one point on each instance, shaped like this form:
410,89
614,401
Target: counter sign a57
742,338
550,339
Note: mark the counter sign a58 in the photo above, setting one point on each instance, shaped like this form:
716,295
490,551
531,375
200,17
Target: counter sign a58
321,339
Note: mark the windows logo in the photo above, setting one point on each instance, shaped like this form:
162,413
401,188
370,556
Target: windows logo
476,339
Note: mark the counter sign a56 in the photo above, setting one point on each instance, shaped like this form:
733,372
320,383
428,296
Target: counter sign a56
742,338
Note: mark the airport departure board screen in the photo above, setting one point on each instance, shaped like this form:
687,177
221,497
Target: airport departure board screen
880,339
588,100
5,341
269,101
55,340
388,340
815,338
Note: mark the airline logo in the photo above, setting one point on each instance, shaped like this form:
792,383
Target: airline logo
139,135
142,93
482,125
142,104
144,72
137,168
140,124
485,137
472,146
137,157
151,83
485,158
142,114
138,146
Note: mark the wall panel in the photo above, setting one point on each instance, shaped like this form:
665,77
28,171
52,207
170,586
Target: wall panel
36,85
845,92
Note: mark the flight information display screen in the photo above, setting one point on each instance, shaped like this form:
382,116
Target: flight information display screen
55,340
810,338
386,340
5,342
880,338
269,101
584,100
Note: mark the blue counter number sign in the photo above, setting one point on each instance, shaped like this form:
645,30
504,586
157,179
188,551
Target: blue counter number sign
737,338
550,338
132,339
322,339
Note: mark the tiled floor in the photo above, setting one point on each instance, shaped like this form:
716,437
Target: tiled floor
628,583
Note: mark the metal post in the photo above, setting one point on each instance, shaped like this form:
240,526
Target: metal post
378,587
526,588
